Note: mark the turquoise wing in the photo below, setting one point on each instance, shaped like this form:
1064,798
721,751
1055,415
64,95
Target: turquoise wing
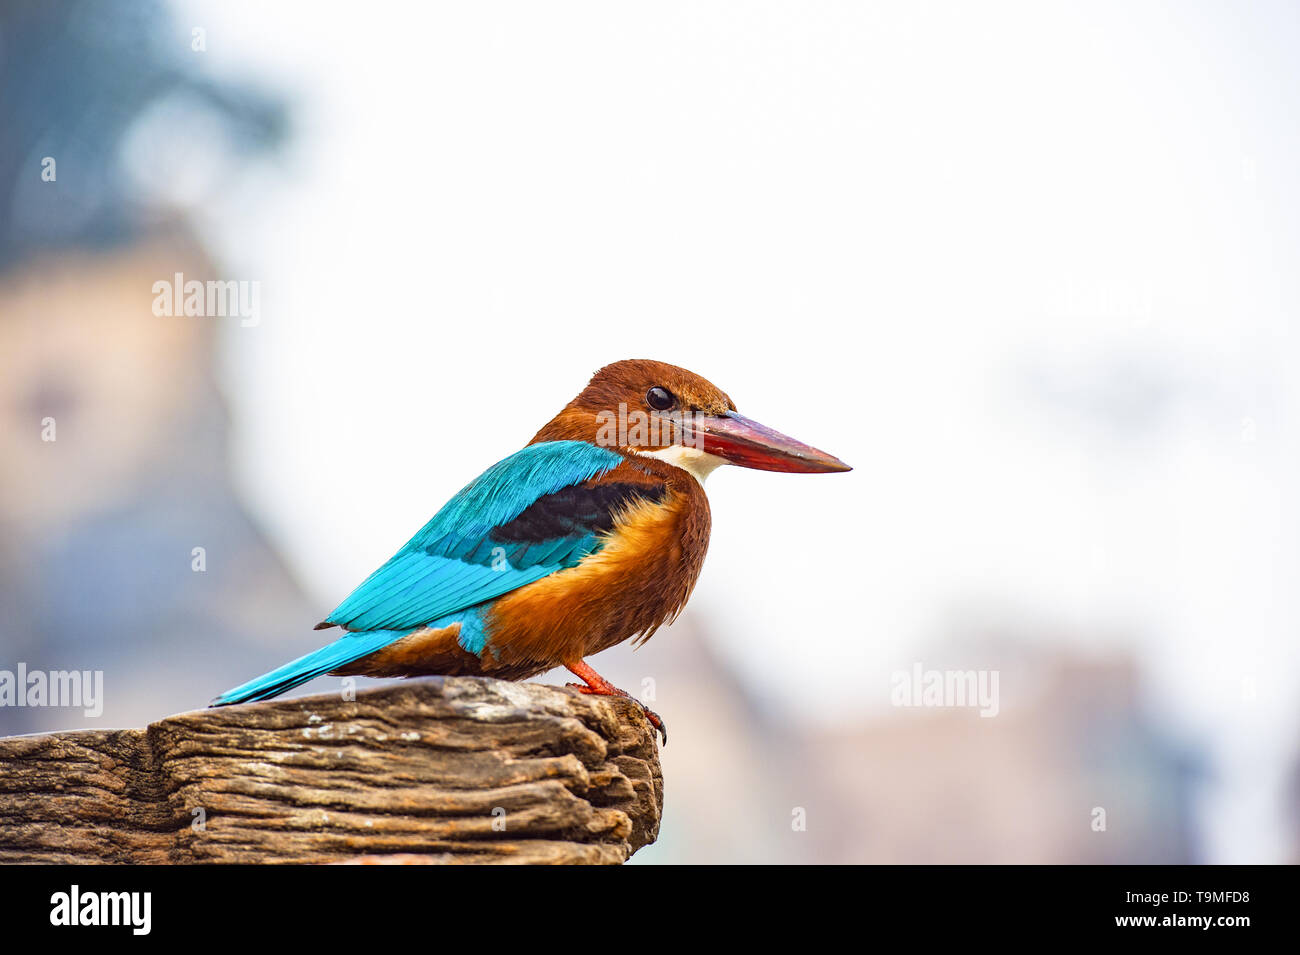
459,559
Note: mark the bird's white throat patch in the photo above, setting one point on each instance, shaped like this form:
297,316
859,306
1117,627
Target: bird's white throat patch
698,464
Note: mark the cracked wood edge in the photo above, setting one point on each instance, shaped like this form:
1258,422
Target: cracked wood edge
434,770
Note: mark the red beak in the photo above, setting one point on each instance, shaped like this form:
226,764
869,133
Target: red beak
752,445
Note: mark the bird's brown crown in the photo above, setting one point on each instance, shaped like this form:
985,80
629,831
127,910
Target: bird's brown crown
633,391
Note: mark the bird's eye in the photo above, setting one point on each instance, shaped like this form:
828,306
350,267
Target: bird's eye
661,399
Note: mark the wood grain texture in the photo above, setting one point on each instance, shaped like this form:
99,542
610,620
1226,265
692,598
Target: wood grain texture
434,770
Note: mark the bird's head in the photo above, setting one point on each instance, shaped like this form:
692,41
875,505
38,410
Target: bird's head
653,408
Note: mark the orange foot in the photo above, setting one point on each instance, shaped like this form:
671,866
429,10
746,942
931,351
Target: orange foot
596,685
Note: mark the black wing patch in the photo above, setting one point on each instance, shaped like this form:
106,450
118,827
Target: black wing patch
576,511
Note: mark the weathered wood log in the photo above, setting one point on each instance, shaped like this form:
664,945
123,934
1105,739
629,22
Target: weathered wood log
440,769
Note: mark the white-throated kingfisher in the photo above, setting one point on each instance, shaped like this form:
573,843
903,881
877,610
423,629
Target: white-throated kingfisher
593,533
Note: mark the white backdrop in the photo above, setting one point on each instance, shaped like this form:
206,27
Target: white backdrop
1028,267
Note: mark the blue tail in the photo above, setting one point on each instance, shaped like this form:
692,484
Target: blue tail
351,646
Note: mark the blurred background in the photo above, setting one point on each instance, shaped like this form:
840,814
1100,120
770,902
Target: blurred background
1030,268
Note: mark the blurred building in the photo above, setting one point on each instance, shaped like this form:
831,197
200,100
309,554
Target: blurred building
113,436
1072,770
1036,784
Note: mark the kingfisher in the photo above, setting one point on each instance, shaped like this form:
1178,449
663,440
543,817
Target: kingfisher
594,533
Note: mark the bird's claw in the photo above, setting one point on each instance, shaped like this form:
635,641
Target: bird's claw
655,719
